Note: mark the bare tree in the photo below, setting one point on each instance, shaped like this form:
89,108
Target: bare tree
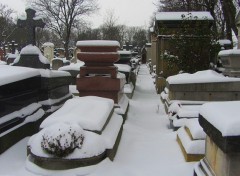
63,15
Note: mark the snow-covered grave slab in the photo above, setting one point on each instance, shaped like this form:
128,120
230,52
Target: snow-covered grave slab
179,114
220,121
206,85
3,63
191,139
96,127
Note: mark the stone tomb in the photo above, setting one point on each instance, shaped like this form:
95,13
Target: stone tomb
202,86
125,57
20,112
54,89
99,77
221,122
92,117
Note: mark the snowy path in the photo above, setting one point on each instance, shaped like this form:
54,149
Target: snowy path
147,148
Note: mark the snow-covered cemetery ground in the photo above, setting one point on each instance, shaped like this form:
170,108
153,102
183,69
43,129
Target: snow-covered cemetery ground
148,146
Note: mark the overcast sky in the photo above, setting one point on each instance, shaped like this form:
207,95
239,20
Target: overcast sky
128,12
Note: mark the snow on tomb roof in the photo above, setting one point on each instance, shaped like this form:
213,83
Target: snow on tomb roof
174,16
89,112
229,52
9,74
98,43
205,76
224,116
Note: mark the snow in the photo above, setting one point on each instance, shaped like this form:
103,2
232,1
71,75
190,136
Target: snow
93,145
205,76
147,147
110,133
30,49
224,42
48,44
9,74
195,129
172,16
98,43
22,113
191,146
77,110
46,73
123,67
219,113
229,52
124,52
72,66
128,88
122,105
3,63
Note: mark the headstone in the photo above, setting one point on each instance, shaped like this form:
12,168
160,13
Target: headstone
48,51
30,23
57,63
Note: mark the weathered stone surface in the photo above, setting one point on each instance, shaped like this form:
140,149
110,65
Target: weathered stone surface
19,94
220,91
229,144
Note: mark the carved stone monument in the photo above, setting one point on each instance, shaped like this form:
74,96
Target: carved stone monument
30,23
48,51
99,76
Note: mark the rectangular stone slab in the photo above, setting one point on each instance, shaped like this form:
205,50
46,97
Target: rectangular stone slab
229,144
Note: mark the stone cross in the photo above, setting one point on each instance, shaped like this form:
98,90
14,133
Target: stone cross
30,24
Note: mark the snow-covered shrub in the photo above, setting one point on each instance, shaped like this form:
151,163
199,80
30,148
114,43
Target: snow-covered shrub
62,139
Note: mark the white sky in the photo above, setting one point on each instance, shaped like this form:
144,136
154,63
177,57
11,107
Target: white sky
128,12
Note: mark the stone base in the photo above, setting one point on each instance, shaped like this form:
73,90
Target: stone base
100,86
189,157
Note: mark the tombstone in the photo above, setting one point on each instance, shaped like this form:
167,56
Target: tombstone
13,46
30,23
57,63
222,156
99,57
61,52
48,51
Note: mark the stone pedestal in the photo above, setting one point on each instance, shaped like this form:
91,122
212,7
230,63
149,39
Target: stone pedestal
222,156
99,76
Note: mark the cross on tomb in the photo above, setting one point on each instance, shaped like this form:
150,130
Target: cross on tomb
30,24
